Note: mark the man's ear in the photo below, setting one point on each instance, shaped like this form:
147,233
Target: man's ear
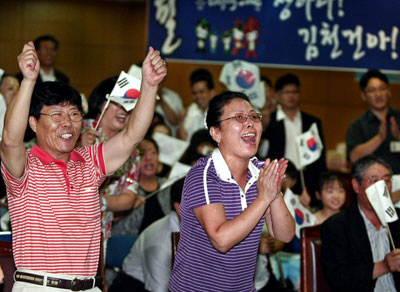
355,185
215,134
33,123
363,96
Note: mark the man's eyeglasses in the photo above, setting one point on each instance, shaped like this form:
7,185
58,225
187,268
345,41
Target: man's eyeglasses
372,180
373,90
75,116
242,118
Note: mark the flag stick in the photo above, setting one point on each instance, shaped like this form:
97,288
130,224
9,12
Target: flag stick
303,184
102,114
390,236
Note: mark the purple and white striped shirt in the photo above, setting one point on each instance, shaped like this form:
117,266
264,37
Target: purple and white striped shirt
198,265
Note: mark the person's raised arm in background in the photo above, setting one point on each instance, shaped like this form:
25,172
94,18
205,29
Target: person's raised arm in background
16,120
119,148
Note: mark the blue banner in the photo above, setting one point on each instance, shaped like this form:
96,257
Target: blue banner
343,34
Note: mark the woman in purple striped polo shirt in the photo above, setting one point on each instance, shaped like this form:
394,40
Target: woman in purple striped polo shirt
226,199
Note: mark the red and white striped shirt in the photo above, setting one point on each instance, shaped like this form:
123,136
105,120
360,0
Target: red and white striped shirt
55,211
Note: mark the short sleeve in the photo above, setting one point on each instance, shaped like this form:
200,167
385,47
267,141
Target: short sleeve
96,158
16,186
353,137
202,186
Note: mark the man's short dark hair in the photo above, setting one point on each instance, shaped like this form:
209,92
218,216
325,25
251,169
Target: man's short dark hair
53,93
46,37
372,73
266,80
202,75
286,79
362,164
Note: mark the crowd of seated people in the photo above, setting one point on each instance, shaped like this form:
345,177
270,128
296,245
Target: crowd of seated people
128,188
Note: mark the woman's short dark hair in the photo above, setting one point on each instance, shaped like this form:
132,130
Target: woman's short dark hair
216,106
329,177
53,93
152,141
98,96
5,75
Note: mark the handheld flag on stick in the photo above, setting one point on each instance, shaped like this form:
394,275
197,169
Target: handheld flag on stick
309,147
379,197
302,216
125,92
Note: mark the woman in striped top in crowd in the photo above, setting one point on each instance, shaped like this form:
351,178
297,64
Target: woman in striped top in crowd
226,199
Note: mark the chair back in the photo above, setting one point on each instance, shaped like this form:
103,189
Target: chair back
175,236
118,247
7,265
312,278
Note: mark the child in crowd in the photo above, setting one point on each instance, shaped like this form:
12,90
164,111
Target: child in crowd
331,193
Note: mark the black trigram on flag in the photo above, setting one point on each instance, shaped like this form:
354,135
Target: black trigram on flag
390,212
386,193
123,82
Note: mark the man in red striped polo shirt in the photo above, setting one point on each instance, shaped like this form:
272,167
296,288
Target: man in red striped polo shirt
53,188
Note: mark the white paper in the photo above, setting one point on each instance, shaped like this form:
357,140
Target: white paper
178,171
170,149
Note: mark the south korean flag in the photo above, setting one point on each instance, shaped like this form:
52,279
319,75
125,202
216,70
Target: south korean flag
379,197
126,91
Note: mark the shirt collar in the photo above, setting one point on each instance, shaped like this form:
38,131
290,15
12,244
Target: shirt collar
222,168
371,115
281,115
51,72
367,223
45,158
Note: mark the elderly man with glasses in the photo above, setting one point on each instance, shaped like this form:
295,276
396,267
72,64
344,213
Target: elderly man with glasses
356,254
53,188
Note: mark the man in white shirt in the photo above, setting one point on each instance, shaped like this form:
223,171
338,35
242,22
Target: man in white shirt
169,107
149,263
46,48
202,85
286,123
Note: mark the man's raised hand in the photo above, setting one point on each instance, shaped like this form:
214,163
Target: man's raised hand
154,68
28,62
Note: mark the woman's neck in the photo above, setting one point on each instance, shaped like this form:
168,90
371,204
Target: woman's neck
238,168
148,183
